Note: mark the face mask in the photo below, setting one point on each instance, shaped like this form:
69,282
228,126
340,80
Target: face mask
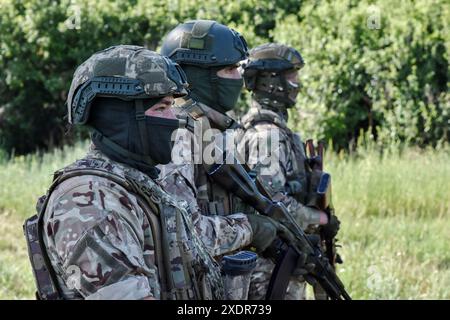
277,100
228,91
200,84
292,93
159,135
222,97
116,133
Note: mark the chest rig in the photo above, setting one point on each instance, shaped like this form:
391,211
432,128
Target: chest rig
297,170
212,199
197,275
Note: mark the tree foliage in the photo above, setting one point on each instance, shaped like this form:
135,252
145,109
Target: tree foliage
391,80
381,67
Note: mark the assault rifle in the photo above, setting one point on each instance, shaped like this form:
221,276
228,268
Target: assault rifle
297,246
321,196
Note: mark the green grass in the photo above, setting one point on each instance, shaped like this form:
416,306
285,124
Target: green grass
394,208
23,180
395,212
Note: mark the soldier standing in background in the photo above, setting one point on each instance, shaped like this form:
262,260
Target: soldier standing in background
210,54
271,74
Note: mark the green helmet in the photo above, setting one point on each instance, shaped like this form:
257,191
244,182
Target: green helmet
264,73
204,43
125,72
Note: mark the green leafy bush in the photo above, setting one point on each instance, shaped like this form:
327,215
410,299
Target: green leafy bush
390,79
380,66
42,42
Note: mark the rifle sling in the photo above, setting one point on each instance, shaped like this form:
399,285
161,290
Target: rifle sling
281,274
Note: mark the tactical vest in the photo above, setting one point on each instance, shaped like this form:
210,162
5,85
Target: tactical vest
297,169
196,277
212,199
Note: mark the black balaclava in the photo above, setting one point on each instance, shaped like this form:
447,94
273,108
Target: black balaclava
206,87
114,120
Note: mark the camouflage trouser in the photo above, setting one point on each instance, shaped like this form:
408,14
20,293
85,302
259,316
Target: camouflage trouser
260,281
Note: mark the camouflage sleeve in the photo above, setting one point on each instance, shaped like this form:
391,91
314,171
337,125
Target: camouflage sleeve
266,154
221,235
99,240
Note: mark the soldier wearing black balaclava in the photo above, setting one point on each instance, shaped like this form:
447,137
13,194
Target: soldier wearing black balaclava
106,229
210,53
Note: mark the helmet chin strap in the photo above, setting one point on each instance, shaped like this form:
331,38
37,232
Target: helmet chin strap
117,153
100,137
214,89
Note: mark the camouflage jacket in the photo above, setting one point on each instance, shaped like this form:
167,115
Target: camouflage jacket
107,242
221,222
266,130
213,131
220,234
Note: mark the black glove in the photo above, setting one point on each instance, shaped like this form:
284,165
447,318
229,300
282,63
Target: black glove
315,162
331,229
265,231
304,266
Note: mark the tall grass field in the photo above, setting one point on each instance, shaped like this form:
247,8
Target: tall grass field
394,207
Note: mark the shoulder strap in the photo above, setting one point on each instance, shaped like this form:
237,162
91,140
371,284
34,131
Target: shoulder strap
261,115
197,110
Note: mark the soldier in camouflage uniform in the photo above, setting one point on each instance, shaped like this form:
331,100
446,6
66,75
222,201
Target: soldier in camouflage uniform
106,228
271,74
210,54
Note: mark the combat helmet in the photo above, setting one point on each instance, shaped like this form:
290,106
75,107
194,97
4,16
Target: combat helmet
264,73
133,76
125,72
202,48
204,43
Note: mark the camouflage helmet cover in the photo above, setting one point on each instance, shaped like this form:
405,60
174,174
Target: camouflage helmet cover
263,72
126,72
274,57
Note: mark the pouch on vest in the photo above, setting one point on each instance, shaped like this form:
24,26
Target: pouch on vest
319,195
45,280
238,269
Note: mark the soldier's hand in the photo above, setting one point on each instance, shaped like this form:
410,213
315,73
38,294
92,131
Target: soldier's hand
265,231
315,162
331,229
303,266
